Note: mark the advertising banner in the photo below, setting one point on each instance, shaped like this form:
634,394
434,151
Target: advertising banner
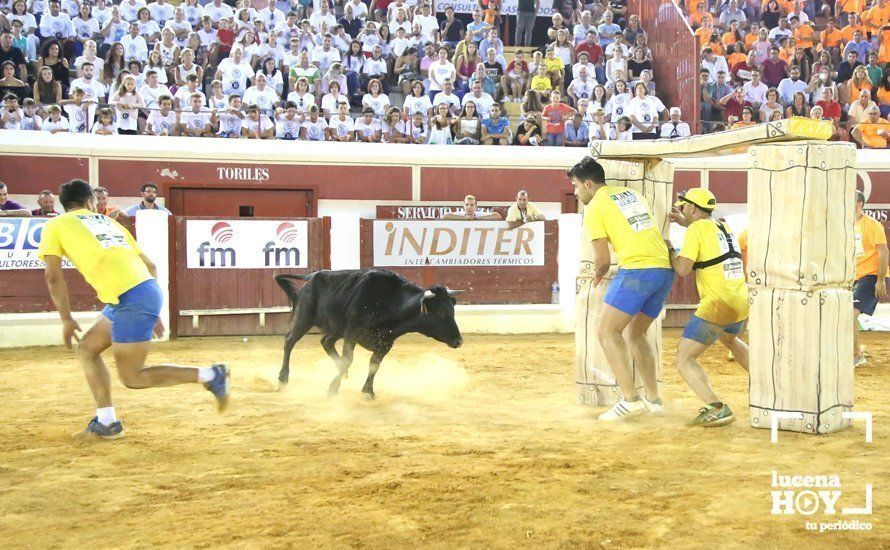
19,239
247,244
457,244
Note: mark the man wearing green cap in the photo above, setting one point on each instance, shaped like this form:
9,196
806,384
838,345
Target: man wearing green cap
709,251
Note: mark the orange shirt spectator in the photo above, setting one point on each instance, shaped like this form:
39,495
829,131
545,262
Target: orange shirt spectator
851,29
831,37
697,15
883,96
872,133
717,47
729,39
704,33
850,6
750,39
877,16
884,50
785,5
734,59
786,54
804,35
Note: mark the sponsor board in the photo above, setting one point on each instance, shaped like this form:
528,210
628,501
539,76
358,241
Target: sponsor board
508,7
457,244
19,239
430,212
247,244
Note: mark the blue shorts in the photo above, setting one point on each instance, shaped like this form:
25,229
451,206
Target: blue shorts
706,332
133,317
640,290
864,298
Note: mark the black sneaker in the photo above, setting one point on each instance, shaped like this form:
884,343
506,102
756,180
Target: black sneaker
219,386
113,431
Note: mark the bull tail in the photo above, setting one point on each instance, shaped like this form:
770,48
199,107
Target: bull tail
286,284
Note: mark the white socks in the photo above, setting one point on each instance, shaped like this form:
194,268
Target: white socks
206,374
106,416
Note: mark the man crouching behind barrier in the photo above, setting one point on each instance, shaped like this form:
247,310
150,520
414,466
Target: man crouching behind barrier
621,217
709,251
124,278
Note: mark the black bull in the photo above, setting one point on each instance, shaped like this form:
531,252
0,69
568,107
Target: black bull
370,308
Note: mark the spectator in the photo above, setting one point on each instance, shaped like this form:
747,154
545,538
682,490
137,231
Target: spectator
46,205
782,30
798,107
599,129
644,111
9,84
608,29
367,128
528,132
857,83
467,128
53,59
483,100
733,15
148,202
162,121
771,105
623,129
104,125
773,69
874,69
526,13
791,85
415,130
582,87
733,104
441,70
576,132
495,129
846,67
830,108
10,208
314,128
523,211
755,90
746,119
883,94
127,102
471,212
13,55
452,29
859,45
859,110
674,128
870,133
555,115
30,119
55,122
830,38
102,206
440,126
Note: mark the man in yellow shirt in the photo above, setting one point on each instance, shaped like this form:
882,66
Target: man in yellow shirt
620,216
524,211
124,278
871,269
872,133
709,251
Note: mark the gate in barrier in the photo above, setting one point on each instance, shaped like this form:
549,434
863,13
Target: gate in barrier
222,272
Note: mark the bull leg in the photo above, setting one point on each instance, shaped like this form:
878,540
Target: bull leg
343,364
376,359
298,330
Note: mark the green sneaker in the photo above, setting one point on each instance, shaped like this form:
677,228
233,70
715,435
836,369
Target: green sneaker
711,416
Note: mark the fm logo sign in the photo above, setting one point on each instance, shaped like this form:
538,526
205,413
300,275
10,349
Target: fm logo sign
282,255
218,256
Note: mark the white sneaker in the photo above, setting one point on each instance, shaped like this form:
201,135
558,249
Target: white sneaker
624,409
654,408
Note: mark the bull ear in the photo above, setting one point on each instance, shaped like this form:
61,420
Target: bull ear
427,295
455,292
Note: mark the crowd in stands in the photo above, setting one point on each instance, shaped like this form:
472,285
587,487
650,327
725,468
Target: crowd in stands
768,60
411,71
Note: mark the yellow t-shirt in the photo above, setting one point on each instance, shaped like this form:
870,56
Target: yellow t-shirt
724,296
513,214
554,65
869,233
622,216
100,248
541,83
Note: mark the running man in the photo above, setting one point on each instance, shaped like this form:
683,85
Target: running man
871,270
620,216
124,278
708,249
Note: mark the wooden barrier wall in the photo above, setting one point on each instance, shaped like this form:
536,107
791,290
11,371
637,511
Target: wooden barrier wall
209,289
483,284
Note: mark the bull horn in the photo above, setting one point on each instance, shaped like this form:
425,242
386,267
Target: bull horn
428,294
455,292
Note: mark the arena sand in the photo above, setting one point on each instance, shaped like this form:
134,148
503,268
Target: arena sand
479,447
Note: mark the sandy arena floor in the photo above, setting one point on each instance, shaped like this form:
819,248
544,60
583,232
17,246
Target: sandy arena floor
479,447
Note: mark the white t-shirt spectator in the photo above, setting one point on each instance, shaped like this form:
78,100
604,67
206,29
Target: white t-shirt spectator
671,130
329,103
315,130
286,128
150,95
582,89
261,125
420,105
341,127
161,123
316,19
161,13
617,106
98,127
98,64
303,102
367,130
787,88
58,26
135,48
207,38
439,72
483,103
130,9
428,24
223,11
265,99
14,120
325,59
713,67
184,96
374,67
79,119
149,28
49,126
450,99
91,90
408,128
229,123
646,109
85,29
30,122
380,103
272,17
234,76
